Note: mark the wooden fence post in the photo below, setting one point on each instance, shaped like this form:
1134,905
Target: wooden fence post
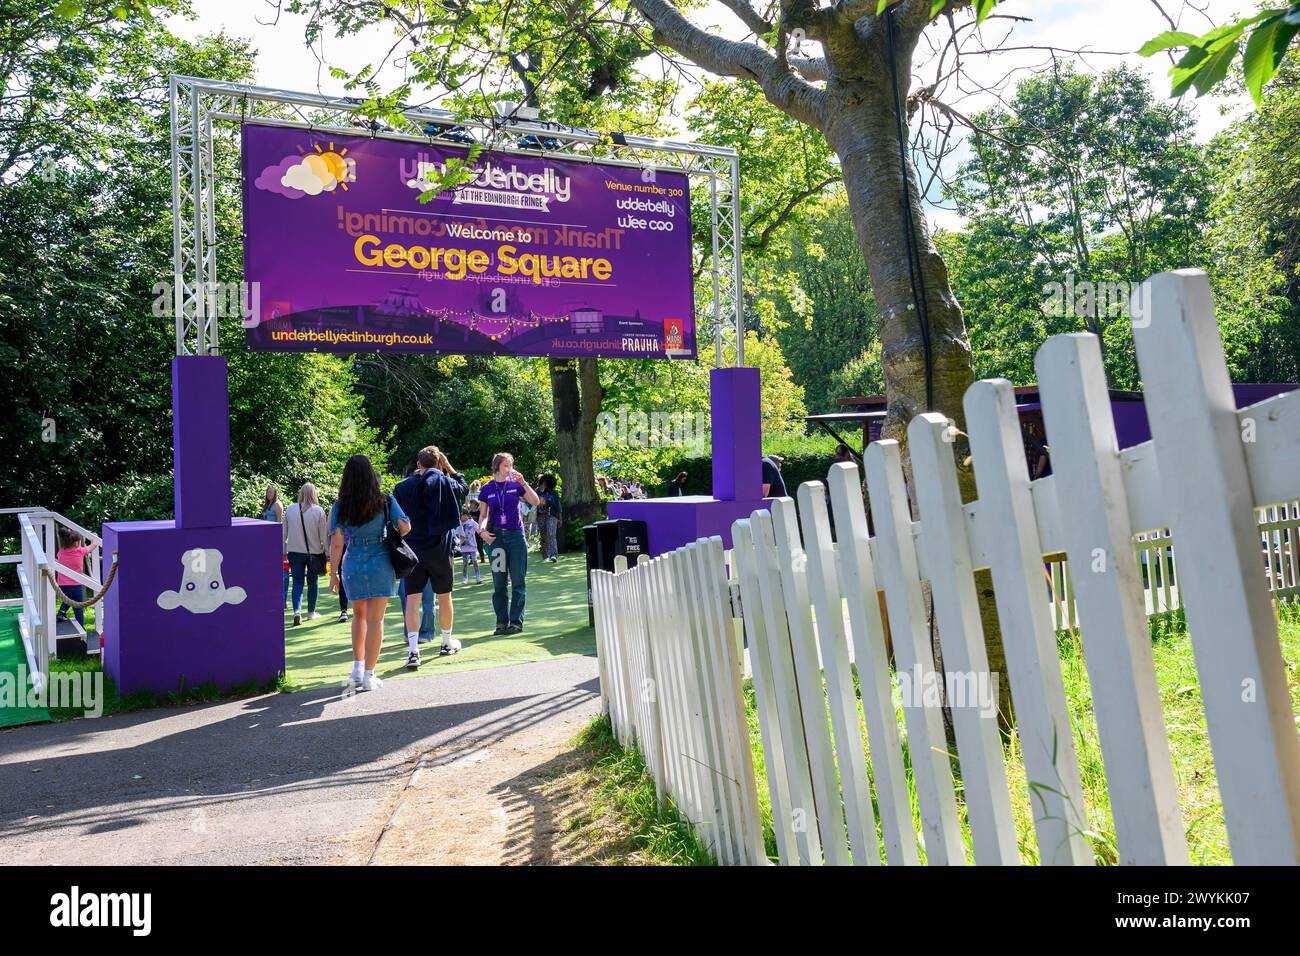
896,554
802,806
860,590
733,724
961,636
722,770
808,677
1202,464
769,720
824,583
1043,721
683,677
1094,517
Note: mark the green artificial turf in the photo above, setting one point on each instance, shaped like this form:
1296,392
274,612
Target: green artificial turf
320,652
11,659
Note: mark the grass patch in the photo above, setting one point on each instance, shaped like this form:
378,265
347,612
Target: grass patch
319,653
621,816
115,703
1189,743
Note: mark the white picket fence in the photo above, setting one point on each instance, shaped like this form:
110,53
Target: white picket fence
670,675
670,661
1279,531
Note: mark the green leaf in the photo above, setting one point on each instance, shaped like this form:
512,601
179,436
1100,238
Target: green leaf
1214,69
1264,53
1167,40
983,8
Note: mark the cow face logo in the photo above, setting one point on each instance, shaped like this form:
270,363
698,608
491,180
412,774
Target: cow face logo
202,589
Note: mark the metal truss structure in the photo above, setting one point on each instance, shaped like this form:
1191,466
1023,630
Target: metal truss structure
202,110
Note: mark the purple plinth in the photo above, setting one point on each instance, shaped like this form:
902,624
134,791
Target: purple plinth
674,522
201,441
736,418
198,600
153,642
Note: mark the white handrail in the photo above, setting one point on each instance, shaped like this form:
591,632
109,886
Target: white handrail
32,541
37,620
69,523
29,629
44,524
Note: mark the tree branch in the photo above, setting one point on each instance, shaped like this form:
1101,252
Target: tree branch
811,68
746,61
749,16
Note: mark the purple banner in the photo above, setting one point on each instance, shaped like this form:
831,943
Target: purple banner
535,256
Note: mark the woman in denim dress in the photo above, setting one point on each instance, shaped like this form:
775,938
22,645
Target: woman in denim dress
360,519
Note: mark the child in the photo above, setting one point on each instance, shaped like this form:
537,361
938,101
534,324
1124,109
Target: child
467,542
72,554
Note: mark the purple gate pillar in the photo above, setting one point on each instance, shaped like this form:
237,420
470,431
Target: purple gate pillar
201,441
198,600
736,419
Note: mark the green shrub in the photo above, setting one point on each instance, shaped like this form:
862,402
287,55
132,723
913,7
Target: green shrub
150,498
131,498
807,458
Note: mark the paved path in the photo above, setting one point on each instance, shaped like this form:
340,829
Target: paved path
310,777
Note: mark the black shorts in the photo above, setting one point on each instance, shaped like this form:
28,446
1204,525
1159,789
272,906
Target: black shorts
434,567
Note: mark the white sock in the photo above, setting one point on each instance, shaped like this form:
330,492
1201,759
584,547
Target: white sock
357,667
446,635
413,640
368,675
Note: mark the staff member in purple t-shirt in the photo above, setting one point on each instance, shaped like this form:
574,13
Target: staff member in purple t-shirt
507,546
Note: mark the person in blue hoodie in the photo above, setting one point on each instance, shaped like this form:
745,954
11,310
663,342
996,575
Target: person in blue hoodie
431,498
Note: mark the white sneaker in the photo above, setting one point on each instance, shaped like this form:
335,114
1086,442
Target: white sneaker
371,682
313,615
450,647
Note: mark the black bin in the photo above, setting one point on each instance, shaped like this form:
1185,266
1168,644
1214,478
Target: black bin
606,540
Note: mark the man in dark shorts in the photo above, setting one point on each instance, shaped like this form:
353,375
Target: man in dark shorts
773,483
431,499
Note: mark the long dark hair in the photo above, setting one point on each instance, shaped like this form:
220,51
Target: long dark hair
359,496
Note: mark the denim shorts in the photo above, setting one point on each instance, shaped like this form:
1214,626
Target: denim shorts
367,572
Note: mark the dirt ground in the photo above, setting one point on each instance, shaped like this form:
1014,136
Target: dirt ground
513,802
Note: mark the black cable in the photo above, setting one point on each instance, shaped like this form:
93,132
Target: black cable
915,274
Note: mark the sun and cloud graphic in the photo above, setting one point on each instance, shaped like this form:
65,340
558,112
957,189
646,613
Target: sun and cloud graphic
309,174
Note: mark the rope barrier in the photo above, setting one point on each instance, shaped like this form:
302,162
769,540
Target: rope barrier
66,601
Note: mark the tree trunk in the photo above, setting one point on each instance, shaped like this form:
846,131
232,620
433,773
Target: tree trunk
880,197
576,406
576,396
